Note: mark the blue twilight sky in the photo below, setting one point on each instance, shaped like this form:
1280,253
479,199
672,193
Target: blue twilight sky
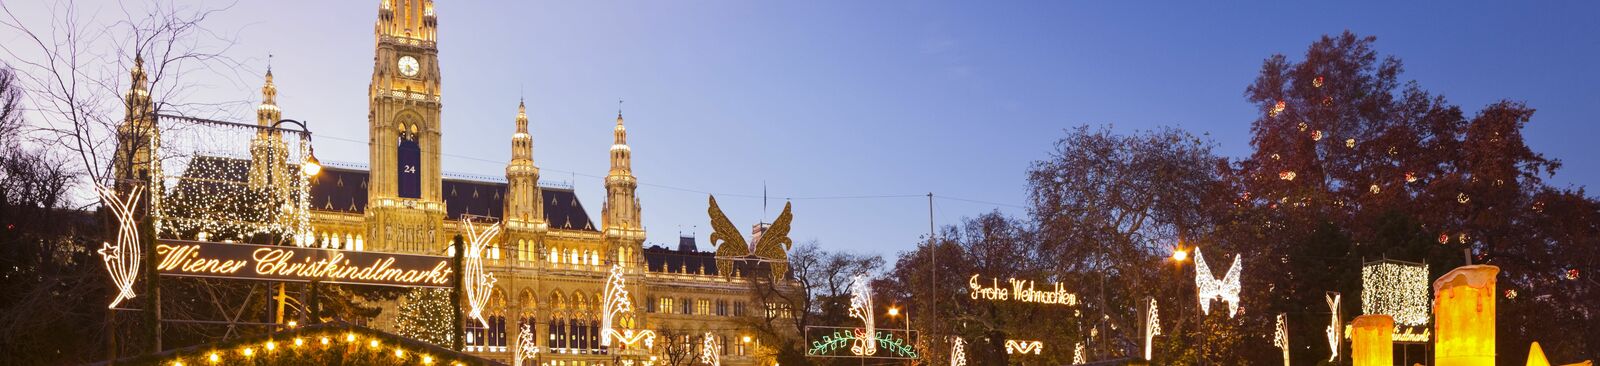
849,98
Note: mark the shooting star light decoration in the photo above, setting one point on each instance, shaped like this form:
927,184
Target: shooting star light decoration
616,303
527,346
479,282
121,259
958,352
1152,328
1334,298
861,308
1280,337
708,351
1209,287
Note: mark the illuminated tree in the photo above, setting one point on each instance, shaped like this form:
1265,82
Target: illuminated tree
425,315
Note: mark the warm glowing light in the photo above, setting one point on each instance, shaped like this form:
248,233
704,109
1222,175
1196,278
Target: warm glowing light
1396,289
1021,290
1077,354
1024,347
1280,336
708,350
1371,341
1316,135
1536,356
526,345
398,353
1179,255
1464,316
293,324
894,311
1209,287
1152,328
861,308
1333,328
958,352
271,345
324,341
373,343
1278,108
746,339
121,259
177,363
298,342
616,303
427,360
311,166
248,352
478,282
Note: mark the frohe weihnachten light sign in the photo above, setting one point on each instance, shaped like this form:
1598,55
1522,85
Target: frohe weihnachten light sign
285,263
1021,290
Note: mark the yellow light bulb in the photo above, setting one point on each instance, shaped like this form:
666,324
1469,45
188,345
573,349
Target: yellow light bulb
399,353
373,343
293,324
324,341
249,352
214,358
177,363
298,342
427,360
271,345
350,337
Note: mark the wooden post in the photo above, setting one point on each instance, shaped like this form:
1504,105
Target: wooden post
455,297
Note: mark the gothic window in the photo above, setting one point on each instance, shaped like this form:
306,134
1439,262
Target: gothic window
688,306
702,307
722,307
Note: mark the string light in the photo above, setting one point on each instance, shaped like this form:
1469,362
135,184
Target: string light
1277,108
1077,354
1374,188
861,308
527,346
1286,175
1316,135
234,179
1572,274
1333,328
1396,289
1209,287
617,303
1024,347
1350,143
1280,337
121,259
479,283
1317,82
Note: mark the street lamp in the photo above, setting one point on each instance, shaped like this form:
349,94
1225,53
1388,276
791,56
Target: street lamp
894,311
1179,255
311,166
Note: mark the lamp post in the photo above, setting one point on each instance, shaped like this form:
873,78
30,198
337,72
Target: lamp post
311,166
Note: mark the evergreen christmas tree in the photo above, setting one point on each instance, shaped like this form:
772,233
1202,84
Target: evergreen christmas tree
425,316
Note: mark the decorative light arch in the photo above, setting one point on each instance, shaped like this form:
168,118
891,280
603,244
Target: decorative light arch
479,283
708,350
861,308
615,304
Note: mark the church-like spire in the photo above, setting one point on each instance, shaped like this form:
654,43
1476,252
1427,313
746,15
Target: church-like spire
411,19
524,201
267,113
621,212
621,154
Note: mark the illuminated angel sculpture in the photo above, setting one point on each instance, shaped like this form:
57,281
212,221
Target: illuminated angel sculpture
958,352
1333,324
122,258
1209,287
527,346
770,243
617,303
478,282
861,308
708,351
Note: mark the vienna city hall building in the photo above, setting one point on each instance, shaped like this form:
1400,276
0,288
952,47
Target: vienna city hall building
551,260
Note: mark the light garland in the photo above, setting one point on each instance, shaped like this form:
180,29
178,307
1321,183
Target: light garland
1209,287
828,344
1152,328
527,345
121,259
303,353
1077,354
1024,347
1021,290
1280,337
1334,298
708,351
617,303
216,183
1396,289
479,283
958,352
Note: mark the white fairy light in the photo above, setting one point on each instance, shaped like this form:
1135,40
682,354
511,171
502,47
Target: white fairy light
479,282
708,351
1280,337
1024,347
1396,289
1209,287
861,308
1152,328
121,259
958,352
1333,328
616,304
1077,354
527,346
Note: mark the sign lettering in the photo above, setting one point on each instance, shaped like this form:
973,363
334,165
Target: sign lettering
285,263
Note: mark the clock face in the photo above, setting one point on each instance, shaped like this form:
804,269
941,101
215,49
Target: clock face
409,66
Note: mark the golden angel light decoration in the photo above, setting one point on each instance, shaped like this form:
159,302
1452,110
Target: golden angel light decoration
769,244
617,303
121,259
479,283
861,308
1209,287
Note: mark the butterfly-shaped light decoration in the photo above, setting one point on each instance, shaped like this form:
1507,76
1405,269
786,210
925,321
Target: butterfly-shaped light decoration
1209,287
708,351
1280,336
771,247
121,259
958,352
479,282
1333,324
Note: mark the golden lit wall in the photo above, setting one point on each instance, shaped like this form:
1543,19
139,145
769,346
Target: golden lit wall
1463,312
1371,341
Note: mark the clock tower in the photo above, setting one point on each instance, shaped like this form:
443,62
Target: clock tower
404,211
